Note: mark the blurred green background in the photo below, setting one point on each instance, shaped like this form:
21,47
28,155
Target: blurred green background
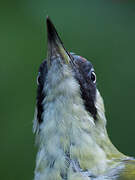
102,31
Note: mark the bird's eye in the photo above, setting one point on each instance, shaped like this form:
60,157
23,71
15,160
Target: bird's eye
38,78
93,77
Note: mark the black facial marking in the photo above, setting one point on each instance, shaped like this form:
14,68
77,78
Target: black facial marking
87,80
40,95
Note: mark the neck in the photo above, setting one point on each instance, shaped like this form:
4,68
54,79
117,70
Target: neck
69,139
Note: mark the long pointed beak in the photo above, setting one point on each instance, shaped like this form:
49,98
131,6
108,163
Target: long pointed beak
55,45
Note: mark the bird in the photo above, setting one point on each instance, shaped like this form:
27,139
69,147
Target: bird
70,122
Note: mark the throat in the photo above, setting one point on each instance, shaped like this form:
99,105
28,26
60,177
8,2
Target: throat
66,143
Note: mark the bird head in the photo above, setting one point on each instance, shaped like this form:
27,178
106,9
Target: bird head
70,120
61,65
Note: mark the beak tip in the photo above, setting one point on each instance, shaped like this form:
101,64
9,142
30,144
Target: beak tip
51,31
47,20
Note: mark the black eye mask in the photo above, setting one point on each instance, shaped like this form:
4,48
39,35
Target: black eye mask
84,74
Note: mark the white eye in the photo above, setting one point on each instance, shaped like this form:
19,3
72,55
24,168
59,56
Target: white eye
38,78
93,77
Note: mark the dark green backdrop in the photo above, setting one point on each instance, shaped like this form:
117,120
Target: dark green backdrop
102,31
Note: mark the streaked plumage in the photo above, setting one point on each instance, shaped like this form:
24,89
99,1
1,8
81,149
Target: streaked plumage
70,122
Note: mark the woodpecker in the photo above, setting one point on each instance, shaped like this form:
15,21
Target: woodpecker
70,122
